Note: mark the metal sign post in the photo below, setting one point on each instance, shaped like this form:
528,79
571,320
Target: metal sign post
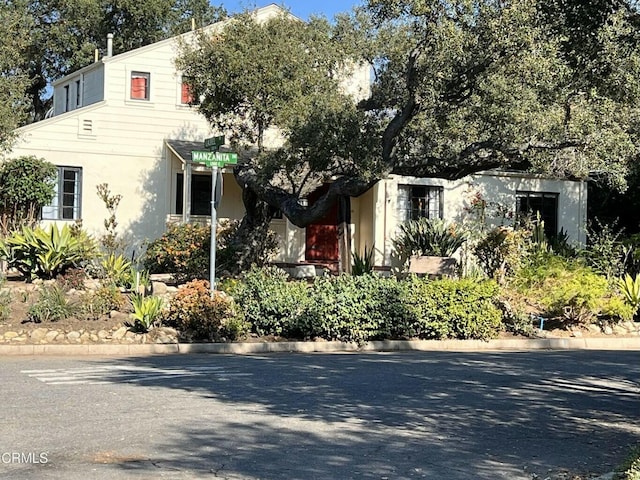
214,160
214,224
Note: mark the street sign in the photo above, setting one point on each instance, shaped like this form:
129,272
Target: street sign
214,158
214,142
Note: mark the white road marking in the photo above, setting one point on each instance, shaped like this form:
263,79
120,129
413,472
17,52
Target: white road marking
103,374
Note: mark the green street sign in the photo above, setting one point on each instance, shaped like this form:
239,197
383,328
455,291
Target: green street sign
214,142
214,158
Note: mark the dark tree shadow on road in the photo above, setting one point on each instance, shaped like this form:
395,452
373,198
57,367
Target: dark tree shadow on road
401,415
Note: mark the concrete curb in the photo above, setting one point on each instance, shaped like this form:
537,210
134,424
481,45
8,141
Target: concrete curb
326,347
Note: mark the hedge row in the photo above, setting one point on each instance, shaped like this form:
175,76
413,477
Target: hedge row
368,307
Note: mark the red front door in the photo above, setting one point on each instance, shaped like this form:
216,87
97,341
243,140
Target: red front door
322,236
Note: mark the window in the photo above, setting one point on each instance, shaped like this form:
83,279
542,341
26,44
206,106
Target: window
186,94
540,203
66,98
66,201
140,85
78,94
415,201
200,194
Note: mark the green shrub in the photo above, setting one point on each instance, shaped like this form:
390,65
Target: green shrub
5,302
194,311
52,305
567,288
630,469
352,308
231,255
39,253
26,185
73,278
447,308
431,237
183,251
146,314
95,304
605,252
269,301
501,252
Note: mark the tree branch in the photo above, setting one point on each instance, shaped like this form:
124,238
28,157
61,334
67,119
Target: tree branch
289,204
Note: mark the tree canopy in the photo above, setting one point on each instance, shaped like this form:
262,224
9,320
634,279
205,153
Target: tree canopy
56,37
13,79
458,87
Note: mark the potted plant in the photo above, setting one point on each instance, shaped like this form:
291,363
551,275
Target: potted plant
428,245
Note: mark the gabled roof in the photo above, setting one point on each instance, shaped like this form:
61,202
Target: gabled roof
268,11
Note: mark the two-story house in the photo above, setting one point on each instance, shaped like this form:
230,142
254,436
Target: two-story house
125,120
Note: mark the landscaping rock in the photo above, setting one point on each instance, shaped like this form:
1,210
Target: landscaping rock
10,335
619,330
120,333
38,334
593,328
158,288
73,336
103,334
607,330
51,336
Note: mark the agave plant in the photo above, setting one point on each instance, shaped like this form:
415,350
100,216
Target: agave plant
362,264
146,312
116,269
630,288
39,253
428,237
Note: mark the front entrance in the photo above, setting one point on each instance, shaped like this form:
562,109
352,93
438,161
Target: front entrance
322,237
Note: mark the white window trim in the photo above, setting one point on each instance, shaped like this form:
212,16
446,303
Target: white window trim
55,207
138,101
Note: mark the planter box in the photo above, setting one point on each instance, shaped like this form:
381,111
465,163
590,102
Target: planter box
437,266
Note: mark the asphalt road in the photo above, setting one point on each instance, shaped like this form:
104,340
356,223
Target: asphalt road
434,415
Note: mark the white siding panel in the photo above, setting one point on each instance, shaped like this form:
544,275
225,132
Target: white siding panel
93,86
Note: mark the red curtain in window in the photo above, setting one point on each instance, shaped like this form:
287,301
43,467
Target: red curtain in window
139,88
186,96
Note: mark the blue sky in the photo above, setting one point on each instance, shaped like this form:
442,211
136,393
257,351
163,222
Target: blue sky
300,8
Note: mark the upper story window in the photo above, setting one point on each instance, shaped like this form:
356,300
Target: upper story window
544,204
66,200
140,85
78,94
67,98
415,201
186,93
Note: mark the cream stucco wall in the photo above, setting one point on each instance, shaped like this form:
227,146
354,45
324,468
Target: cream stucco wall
497,188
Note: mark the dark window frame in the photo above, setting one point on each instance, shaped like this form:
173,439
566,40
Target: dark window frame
548,209
200,197
419,199
147,86
78,93
60,208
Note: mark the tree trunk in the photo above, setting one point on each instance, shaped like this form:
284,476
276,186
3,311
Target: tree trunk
251,241
344,234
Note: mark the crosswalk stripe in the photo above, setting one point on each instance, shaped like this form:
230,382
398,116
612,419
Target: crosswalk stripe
103,374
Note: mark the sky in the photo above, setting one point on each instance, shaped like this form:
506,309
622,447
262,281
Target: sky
300,8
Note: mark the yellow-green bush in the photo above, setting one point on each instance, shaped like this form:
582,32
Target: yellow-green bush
568,289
